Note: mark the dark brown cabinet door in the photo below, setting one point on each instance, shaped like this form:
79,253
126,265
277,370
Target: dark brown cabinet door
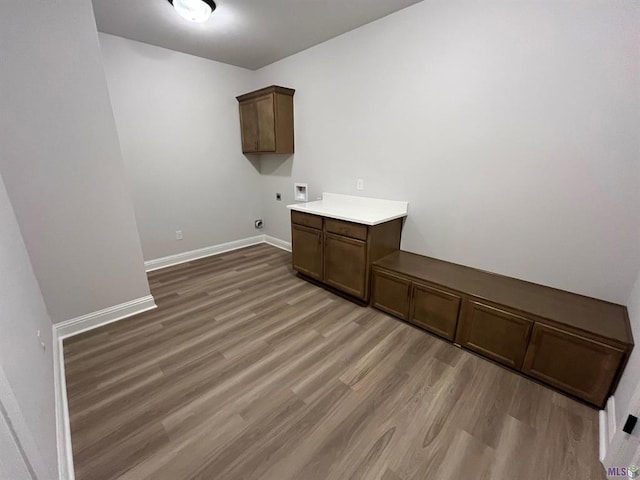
249,126
391,293
435,310
498,334
266,124
306,249
257,120
345,264
575,364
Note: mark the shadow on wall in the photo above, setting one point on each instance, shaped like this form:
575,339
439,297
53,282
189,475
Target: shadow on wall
276,165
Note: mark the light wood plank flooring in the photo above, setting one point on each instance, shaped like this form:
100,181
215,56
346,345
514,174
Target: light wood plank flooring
246,371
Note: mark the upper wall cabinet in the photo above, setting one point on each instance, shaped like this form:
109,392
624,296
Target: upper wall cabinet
266,120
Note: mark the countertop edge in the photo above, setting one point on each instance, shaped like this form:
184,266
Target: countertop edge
348,219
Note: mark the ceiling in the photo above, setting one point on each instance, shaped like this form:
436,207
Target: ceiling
246,33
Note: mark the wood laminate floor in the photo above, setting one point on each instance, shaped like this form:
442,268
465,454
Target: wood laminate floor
246,371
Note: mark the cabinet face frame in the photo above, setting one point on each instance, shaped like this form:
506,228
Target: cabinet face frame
317,253
606,367
404,297
521,327
454,301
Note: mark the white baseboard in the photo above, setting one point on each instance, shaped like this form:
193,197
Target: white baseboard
158,263
607,426
610,409
63,428
60,332
602,435
276,242
102,317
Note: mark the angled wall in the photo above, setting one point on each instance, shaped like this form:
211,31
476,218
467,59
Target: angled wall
61,160
26,369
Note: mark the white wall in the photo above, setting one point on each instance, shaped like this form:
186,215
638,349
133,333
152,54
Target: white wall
178,123
26,370
12,464
511,127
61,160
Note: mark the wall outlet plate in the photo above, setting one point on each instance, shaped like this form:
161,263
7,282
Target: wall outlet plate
630,424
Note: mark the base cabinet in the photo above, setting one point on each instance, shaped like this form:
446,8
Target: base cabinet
495,333
575,364
340,253
582,357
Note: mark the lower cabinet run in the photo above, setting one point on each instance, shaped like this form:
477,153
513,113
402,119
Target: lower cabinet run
575,344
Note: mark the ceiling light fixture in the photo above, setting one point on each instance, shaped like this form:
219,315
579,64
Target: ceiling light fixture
195,10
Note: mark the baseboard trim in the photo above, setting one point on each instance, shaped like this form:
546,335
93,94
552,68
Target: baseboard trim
63,428
610,410
158,263
276,242
177,259
103,317
602,435
67,329
607,426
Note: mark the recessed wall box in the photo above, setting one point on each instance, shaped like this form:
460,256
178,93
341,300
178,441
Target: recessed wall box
300,192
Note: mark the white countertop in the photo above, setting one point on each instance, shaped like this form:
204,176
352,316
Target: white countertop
368,211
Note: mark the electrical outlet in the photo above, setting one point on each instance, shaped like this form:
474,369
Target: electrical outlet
278,196
178,234
360,184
